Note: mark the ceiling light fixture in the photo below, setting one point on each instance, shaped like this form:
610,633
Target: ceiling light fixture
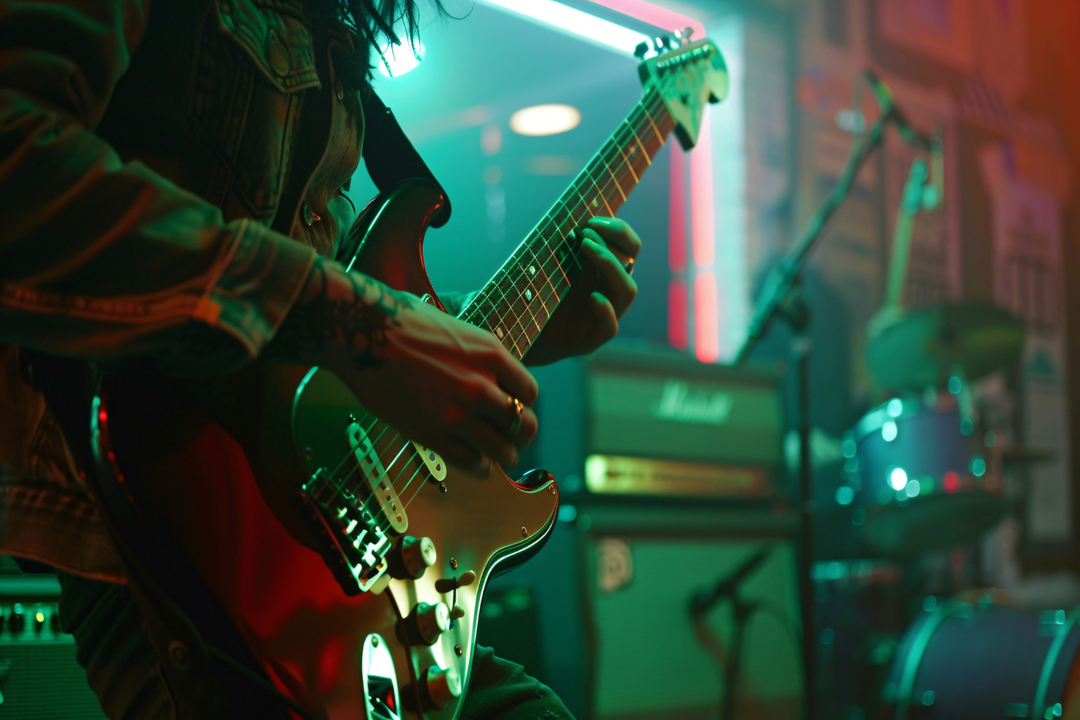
550,119
575,22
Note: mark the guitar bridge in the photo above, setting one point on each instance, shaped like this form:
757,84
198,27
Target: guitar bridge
351,542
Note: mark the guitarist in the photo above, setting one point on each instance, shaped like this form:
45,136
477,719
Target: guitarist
172,191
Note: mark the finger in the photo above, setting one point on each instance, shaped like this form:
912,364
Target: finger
463,455
527,431
498,409
607,325
621,287
515,380
489,441
617,233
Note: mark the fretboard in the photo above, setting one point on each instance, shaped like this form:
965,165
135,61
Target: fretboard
523,294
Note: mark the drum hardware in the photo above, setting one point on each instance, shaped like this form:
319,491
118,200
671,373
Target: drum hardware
780,297
862,609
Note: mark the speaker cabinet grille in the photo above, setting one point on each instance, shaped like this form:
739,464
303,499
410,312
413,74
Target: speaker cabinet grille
41,680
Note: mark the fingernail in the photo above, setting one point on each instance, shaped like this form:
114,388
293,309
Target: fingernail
601,220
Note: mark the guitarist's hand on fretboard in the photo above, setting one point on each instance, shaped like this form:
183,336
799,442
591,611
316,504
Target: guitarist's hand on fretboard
602,293
441,382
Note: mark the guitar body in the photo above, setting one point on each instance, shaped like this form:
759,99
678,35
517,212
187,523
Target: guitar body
227,465
352,560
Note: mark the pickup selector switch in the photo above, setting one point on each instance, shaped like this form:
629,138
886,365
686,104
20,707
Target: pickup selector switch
410,558
426,623
447,585
440,686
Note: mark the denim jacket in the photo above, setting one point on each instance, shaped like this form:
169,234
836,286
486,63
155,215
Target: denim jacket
168,172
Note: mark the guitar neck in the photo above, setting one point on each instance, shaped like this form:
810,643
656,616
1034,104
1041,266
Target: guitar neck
523,294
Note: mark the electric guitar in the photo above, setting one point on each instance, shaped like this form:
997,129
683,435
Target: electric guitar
352,560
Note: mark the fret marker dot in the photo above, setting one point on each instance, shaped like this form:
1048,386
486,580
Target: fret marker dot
594,203
499,332
532,270
528,295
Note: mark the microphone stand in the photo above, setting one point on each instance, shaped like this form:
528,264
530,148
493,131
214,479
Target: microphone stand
781,296
731,660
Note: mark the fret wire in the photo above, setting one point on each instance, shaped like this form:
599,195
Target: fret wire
528,303
546,275
638,141
630,166
574,215
517,321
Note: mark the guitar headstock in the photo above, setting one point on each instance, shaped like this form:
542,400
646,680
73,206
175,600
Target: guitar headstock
687,78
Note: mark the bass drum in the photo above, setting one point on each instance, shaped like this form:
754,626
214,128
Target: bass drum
965,661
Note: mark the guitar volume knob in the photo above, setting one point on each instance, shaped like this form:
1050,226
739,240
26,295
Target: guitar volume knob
411,557
426,623
440,686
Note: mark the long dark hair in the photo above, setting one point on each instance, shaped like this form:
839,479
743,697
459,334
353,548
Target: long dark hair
378,23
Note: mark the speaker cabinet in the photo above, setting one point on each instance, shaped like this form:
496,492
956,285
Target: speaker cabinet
651,658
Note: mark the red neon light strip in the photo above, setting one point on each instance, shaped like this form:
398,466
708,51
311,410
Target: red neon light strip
706,312
706,331
654,15
677,330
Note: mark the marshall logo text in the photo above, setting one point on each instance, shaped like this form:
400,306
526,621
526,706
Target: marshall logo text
678,404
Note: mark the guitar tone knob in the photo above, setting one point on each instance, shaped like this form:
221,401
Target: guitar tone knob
440,686
426,623
410,558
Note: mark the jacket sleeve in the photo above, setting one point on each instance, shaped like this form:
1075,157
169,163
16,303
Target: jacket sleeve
103,259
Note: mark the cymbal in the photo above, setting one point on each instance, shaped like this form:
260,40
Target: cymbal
917,349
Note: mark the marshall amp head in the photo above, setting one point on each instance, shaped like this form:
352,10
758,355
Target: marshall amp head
661,424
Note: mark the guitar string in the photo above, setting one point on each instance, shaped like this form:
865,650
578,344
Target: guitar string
625,161
573,208
621,162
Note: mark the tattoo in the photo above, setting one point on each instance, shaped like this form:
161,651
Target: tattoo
360,323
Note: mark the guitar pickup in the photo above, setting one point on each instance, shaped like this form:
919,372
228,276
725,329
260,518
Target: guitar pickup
376,479
352,544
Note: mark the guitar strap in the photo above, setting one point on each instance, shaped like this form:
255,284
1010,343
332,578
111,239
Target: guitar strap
389,154
208,667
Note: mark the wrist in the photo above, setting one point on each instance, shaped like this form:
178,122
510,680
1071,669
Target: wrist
339,317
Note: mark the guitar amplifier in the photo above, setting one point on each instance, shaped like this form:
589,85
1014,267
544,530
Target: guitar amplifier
39,676
662,424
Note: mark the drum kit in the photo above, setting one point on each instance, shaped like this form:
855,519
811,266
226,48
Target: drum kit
922,474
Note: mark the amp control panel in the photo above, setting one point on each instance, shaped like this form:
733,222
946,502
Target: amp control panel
30,622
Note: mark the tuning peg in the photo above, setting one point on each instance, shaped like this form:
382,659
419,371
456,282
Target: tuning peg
684,34
641,50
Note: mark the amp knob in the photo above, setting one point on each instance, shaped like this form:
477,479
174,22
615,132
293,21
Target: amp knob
426,623
410,558
17,619
440,686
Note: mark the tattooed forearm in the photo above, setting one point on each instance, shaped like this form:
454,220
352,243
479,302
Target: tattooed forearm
340,309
